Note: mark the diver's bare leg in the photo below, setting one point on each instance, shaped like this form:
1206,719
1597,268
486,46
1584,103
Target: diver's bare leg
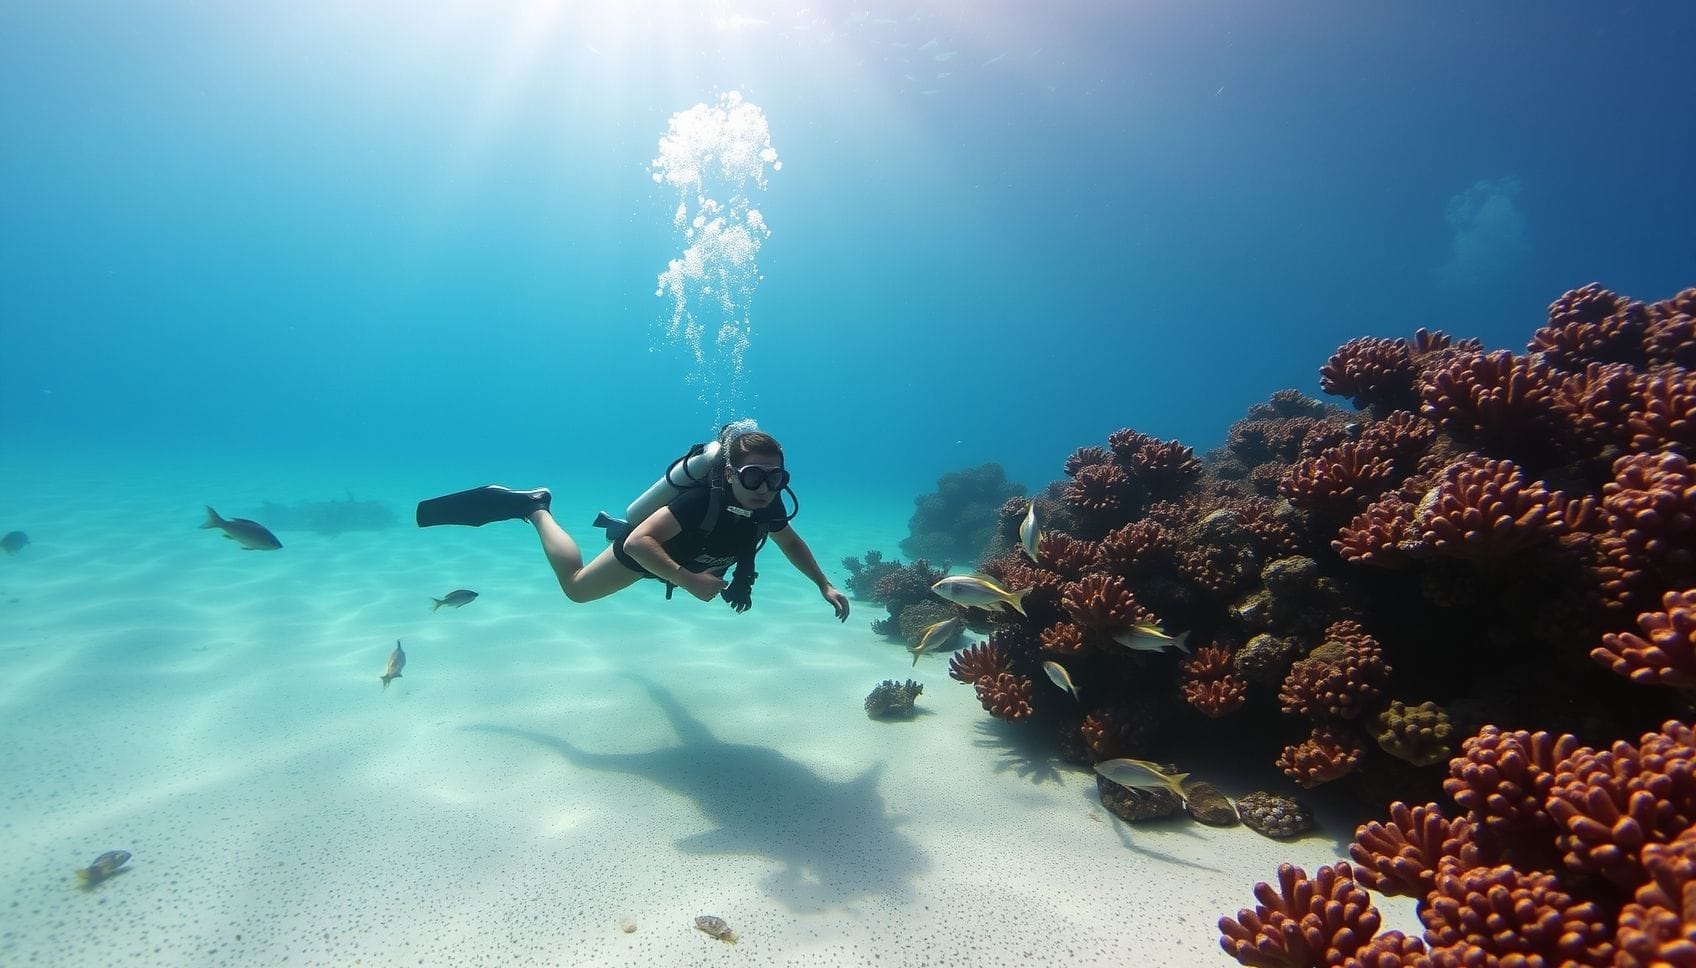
580,582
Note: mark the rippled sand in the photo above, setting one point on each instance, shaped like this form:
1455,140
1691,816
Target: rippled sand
541,771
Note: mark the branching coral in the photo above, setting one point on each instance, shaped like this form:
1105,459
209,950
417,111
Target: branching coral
958,521
1328,754
1065,555
1086,457
1005,695
1665,412
1371,372
1665,653
1499,915
1418,734
1063,638
1612,802
1506,403
1503,778
1116,731
1302,922
1592,325
1338,679
1161,466
1659,926
984,660
1099,490
1671,340
1103,603
893,700
1488,509
1401,856
1217,698
1379,535
1649,546
1338,480
1135,549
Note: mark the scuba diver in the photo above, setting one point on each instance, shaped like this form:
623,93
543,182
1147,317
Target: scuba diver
713,508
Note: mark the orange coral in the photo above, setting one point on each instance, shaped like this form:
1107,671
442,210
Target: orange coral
1005,695
1666,652
1327,754
1302,922
1103,603
1401,856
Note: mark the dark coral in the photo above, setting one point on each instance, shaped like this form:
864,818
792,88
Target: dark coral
1338,679
1418,734
1664,414
1671,340
1065,555
893,700
863,576
1135,549
1502,779
1100,491
1211,684
1381,535
1649,546
1103,604
1117,731
958,521
1665,654
1371,372
1401,856
1592,325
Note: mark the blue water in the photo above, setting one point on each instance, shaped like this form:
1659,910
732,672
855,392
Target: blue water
323,232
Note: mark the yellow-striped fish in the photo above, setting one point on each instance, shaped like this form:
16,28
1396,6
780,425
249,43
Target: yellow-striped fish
1143,775
936,637
1149,638
975,592
1061,677
1030,533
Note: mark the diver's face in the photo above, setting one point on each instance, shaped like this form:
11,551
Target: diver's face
765,471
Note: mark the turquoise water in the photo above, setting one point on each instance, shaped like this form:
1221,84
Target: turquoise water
313,252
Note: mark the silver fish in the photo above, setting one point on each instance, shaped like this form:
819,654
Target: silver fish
397,662
716,927
458,598
251,535
1143,775
977,592
1030,533
1148,638
1061,677
936,636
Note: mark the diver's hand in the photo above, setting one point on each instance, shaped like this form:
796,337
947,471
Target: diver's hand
740,594
837,601
702,584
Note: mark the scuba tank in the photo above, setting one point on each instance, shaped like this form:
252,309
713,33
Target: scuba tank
693,469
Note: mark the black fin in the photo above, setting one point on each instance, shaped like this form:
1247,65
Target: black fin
481,505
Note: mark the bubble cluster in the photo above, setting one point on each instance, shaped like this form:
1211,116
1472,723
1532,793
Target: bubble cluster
711,155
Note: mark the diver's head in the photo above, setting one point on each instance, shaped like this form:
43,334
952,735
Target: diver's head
753,468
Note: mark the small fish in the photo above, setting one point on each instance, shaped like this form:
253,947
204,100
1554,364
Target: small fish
1148,638
1061,677
936,637
13,542
1030,533
458,598
978,592
1143,775
715,927
251,535
103,867
397,662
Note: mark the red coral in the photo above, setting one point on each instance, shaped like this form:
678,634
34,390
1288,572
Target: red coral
1612,802
1065,555
1665,654
1162,466
1209,663
1401,437
1338,679
1134,549
1273,536
1006,696
1502,780
1338,480
1506,401
1596,406
1659,927
1217,698
1499,915
1379,535
1302,922
1649,546
1125,444
1592,325
1666,414
1401,857
1328,754
1103,603
1114,732
977,662
1488,509
1063,638
1671,340
1371,372
1098,489
1086,457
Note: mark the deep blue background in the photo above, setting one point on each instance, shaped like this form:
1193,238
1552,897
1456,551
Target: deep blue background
357,233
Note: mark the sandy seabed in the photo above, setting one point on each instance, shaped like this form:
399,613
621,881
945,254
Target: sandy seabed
541,772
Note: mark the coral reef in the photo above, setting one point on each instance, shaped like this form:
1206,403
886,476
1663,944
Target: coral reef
893,700
958,521
1418,734
1665,653
863,576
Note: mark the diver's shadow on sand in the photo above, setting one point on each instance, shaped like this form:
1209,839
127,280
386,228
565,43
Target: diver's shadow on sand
836,843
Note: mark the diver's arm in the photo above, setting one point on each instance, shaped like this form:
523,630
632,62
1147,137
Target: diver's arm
802,558
646,544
